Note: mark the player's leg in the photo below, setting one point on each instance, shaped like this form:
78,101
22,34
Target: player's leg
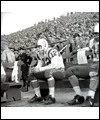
50,99
73,73
94,81
35,85
51,76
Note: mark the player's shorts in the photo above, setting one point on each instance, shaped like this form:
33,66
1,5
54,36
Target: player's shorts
80,71
58,74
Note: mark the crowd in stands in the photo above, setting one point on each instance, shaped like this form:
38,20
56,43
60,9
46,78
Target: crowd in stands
65,28
73,29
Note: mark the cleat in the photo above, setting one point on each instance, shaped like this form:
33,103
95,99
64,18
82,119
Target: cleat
89,102
35,99
49,100
77,100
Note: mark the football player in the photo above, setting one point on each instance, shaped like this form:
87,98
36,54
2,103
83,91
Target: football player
50,67
86,71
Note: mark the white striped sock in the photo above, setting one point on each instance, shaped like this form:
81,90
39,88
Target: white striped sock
37,91
91,93
77,90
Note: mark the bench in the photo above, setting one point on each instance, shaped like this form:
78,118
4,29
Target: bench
12,90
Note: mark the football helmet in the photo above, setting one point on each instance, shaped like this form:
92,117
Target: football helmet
42,44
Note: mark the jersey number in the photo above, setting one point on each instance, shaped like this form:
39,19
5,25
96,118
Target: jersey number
52,54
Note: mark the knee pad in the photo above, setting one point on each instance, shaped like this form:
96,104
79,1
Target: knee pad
93,73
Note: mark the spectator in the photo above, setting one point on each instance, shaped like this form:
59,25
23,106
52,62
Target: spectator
26,58
16,55
19,56
7,59
29,58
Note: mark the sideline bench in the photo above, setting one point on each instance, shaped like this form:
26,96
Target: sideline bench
12,90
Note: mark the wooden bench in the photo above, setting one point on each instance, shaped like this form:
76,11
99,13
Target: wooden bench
12,90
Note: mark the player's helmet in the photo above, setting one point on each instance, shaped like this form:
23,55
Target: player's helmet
43,44
96,28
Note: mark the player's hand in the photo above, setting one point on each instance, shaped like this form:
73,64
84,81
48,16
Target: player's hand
34,70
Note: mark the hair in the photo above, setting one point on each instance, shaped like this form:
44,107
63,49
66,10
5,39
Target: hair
76,35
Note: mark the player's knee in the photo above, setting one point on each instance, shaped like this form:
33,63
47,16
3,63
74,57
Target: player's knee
93,73
31,77
68,72
48,74
59,75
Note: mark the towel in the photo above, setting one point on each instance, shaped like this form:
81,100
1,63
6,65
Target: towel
15,72
91,43
2,70
81,57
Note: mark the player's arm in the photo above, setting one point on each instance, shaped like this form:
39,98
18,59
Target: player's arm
53,55
39,64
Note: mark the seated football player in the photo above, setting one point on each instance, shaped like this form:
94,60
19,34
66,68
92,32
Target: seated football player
50,67
86,71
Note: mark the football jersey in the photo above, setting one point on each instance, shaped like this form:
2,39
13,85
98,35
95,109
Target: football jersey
50,54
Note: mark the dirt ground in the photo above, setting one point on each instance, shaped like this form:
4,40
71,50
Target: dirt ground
62,95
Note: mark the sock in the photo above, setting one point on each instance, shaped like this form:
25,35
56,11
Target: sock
91,93
77,90
52,91
37,91
51,84
74,80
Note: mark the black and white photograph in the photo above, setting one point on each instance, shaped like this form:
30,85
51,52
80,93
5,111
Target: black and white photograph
50,59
